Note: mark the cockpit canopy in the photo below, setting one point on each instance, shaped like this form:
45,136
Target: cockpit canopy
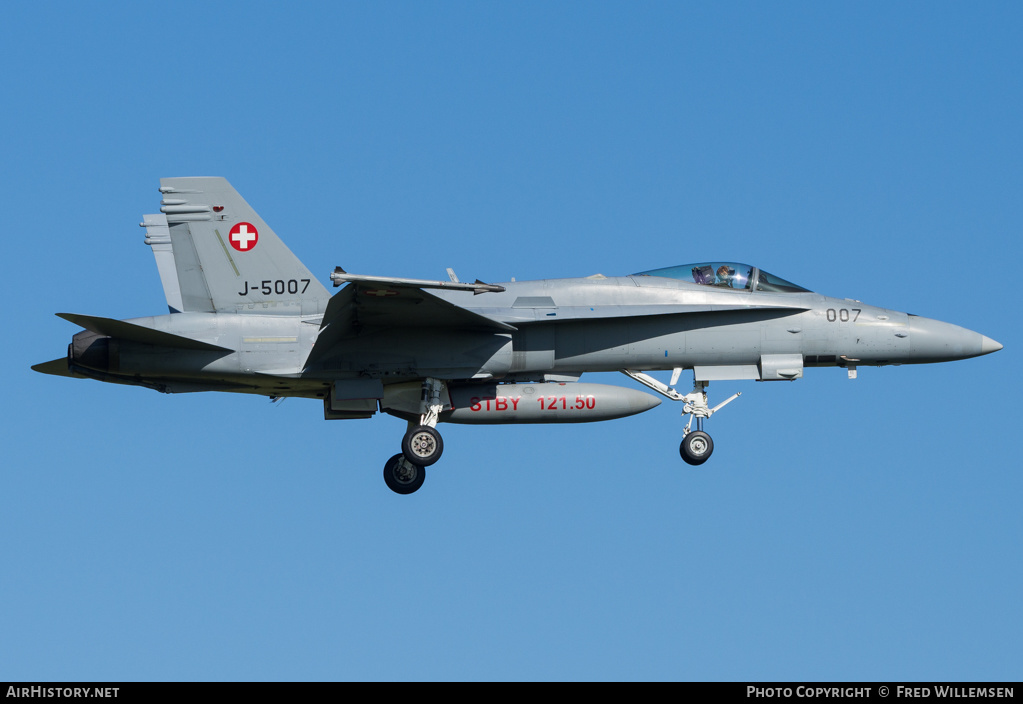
727,275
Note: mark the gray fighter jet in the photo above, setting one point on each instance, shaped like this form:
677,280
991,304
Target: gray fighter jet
246,316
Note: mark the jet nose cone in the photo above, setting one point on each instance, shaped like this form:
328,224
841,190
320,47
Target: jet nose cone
987,345
935,341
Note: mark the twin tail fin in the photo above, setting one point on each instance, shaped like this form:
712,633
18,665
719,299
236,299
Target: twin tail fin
216,254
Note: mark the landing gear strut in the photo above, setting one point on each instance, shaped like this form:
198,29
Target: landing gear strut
696,446
422,445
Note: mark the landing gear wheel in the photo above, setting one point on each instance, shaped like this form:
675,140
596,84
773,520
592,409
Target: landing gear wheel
402,476
696,447
422,445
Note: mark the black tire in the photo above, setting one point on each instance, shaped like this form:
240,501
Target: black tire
422,445
696,447
403,477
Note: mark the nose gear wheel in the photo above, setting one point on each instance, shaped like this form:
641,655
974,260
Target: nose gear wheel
696,447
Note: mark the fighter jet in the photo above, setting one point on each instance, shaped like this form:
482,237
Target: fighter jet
246,316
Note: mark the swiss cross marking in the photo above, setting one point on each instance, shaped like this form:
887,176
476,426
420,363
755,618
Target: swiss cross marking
244,236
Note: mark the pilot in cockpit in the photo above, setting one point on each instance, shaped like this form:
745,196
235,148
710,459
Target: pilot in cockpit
725,275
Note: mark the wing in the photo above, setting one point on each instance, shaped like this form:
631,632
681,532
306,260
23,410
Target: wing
366,306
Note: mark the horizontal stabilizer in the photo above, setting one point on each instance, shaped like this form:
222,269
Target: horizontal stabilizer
57,367
136,333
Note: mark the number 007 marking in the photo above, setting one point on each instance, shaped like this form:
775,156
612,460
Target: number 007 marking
842,315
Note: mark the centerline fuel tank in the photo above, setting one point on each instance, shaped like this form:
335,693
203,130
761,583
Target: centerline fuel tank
552,402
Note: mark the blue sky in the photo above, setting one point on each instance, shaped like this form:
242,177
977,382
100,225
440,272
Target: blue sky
847,530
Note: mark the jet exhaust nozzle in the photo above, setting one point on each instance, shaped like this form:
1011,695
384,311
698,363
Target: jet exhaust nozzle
93,351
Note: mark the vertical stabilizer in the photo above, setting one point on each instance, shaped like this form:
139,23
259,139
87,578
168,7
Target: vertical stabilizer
227,258
158,237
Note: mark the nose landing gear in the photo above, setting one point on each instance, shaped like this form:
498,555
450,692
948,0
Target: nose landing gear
697,446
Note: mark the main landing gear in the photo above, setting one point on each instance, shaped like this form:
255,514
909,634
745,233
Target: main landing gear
422,445
402,476
697,446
